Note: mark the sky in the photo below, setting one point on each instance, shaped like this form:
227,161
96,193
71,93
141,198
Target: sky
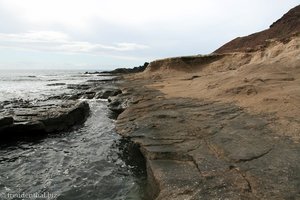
106,34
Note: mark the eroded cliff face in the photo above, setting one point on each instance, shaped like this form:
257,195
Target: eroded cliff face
186,64
280,41
274,52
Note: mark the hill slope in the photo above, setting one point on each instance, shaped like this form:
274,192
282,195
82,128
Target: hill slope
282,30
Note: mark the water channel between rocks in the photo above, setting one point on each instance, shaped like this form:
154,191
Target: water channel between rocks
89,162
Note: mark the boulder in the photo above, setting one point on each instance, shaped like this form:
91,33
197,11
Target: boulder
108,92
6,121
43,119
66,118
119,103
89,95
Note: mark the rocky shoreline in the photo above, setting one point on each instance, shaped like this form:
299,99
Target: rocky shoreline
21,119
220,126
194,149
205,150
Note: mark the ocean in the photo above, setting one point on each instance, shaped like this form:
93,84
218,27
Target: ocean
32,84
89,162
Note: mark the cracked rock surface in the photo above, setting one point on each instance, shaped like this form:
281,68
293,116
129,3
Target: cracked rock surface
28,120
207,150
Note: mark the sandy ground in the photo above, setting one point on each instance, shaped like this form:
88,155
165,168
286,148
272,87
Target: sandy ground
265,82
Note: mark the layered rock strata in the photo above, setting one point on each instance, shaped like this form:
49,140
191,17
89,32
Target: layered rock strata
196,149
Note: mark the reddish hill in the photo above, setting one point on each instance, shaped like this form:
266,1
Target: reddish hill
282,30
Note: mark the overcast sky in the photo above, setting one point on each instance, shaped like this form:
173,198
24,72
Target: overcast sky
105,34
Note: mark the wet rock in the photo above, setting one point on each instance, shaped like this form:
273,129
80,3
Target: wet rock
22,129
73,97
55,84
118,104
78,86
16,103
95,72
6,121
66,117
22,118
106,80
108,92
44,118
89,95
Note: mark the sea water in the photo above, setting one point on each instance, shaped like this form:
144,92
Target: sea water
33,84
89,162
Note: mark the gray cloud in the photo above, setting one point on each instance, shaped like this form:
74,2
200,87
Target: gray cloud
61,42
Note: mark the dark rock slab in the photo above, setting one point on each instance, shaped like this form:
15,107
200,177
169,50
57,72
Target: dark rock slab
108,92
106,80
67,117
23,118
206,150
42,119
89,95
94,72
56,84
6,121
79,86
118,104
182,178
